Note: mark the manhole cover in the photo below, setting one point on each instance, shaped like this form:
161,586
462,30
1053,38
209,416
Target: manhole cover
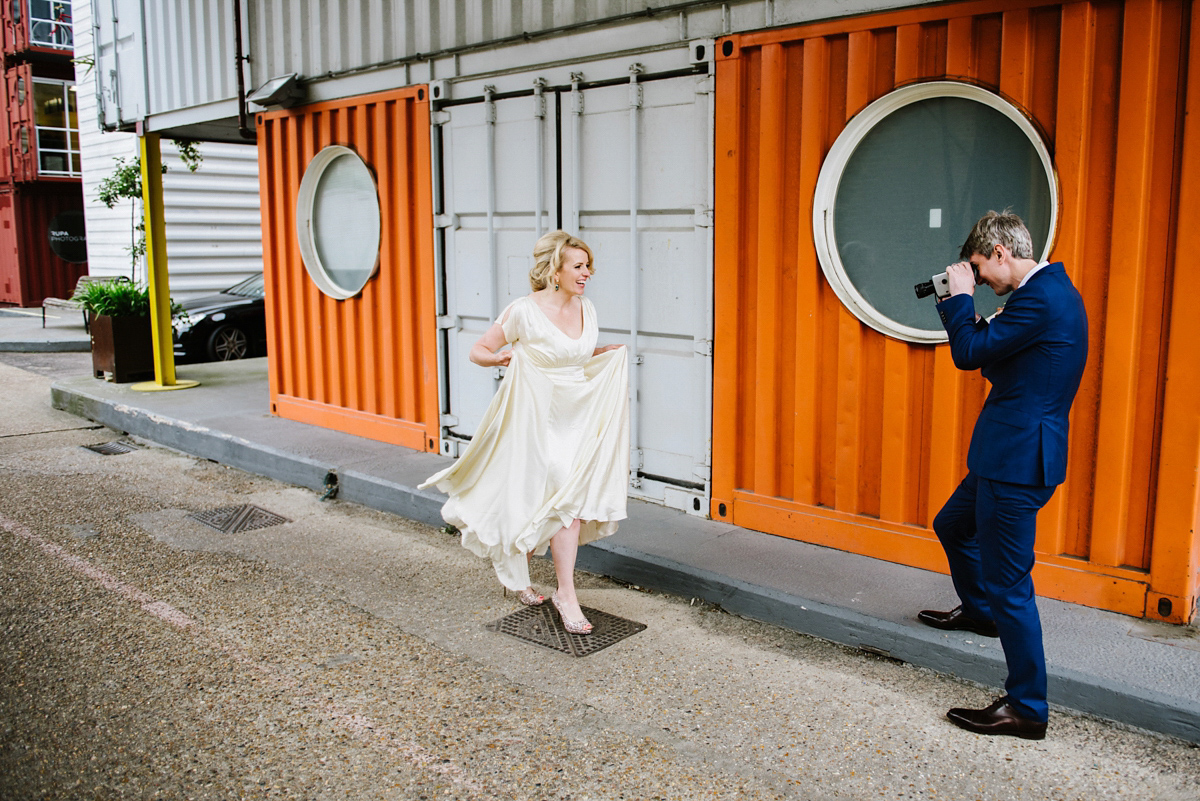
540,625
232,519
111,448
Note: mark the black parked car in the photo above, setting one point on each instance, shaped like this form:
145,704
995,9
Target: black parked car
229,325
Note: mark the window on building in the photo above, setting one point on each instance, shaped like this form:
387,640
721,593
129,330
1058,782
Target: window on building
57,122
902,186
338,222
50,23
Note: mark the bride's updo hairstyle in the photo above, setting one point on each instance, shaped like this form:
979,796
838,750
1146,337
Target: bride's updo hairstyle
548,257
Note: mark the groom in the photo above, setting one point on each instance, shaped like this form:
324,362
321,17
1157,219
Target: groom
1033,355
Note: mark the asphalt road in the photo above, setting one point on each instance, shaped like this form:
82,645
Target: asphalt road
344,655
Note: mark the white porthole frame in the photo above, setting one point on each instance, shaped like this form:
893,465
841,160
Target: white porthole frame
829,180
305,198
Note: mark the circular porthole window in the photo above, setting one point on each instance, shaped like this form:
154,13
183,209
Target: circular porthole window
338,222
904,183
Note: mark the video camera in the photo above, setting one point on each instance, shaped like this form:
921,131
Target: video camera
939,285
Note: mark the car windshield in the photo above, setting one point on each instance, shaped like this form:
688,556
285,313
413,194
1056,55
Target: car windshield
252,287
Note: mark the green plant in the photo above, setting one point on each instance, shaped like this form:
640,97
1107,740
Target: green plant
116,298
125,183
119,297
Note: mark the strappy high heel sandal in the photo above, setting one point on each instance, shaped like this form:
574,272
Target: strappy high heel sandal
528,596
572,626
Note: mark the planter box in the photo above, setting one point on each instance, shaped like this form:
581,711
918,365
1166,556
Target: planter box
122,346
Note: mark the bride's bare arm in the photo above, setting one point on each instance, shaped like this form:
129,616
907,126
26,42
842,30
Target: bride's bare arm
483,352
606,349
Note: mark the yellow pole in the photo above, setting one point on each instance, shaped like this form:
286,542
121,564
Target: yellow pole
156,256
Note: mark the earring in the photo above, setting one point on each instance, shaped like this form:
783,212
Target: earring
556,286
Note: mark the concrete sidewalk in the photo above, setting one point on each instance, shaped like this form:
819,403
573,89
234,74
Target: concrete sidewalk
21,331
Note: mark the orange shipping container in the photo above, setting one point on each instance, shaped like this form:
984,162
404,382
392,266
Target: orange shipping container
824,429
365,364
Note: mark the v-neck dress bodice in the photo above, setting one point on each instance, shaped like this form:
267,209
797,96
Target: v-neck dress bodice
552,447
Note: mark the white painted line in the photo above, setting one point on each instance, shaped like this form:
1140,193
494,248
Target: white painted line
360,726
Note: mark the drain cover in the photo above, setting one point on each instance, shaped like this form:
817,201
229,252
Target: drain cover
540,625
232,519
111,448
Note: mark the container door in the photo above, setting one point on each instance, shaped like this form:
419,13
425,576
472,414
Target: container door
120,75
643,145
490,163
18,82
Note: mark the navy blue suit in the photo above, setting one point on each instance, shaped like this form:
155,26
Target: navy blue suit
1033,355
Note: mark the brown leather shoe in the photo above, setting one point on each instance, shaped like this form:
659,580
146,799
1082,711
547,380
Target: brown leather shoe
955,620
999,718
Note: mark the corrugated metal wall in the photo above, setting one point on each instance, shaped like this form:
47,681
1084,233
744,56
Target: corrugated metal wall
366,365
830,432
29,269
191,46
314,39
338,46
214,228
22,153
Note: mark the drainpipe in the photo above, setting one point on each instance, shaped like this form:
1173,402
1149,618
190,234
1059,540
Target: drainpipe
238,59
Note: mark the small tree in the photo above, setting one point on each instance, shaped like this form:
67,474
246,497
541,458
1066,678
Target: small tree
125,183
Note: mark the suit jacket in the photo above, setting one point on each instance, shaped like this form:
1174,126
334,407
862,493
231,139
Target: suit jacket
1033,354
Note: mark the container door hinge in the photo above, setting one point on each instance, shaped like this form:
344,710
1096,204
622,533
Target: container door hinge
703,347
446,221
635,466
447,321
703,217
439,117
449,420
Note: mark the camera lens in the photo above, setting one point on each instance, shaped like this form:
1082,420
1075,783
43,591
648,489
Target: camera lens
924,289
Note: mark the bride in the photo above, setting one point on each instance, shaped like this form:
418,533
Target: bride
549,463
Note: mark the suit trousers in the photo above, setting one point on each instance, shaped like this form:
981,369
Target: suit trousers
987,529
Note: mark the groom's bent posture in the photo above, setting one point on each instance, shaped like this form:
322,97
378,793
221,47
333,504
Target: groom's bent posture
1033,355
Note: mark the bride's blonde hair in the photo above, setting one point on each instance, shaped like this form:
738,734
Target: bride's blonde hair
548,257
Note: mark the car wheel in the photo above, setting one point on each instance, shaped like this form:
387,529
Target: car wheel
228,343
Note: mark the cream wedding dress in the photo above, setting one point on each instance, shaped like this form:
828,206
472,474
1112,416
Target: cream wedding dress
553,446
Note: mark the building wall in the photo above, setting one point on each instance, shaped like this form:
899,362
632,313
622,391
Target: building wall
214,228
830,432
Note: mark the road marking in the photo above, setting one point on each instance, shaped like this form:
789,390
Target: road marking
361,727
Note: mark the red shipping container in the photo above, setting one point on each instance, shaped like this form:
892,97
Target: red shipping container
24,35
43,248
18,87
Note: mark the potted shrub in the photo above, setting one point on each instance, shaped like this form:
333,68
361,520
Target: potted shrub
119,319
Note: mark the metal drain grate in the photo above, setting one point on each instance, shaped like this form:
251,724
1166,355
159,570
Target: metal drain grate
540,625
111,448
232,519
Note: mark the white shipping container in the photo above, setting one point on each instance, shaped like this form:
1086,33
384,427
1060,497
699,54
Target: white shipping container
588,154
214,229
